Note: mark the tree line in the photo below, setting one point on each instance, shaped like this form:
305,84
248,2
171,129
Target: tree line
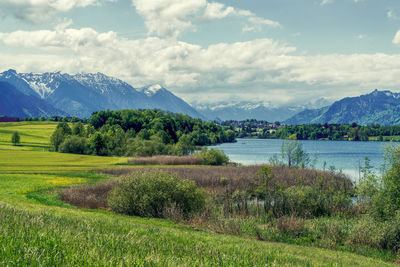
354,132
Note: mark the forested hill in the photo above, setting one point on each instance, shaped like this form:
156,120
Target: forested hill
381,107
138,133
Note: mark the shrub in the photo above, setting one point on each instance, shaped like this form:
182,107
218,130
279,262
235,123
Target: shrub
387,200
303,201
213,157
151,194
367,232
291,226
391,236
73,144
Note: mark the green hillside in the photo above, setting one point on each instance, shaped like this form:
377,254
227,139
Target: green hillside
39,230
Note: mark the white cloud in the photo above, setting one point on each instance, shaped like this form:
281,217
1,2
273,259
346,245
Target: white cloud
396,39
71,39
391,14
170,18
361,36
38,11
258,23
325,2
218,11
257,68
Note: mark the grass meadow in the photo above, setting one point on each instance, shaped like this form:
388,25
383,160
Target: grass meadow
37,229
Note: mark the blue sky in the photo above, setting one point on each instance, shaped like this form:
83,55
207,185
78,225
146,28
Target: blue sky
282,52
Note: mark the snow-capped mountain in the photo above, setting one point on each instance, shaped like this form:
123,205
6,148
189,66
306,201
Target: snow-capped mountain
242,110
81,94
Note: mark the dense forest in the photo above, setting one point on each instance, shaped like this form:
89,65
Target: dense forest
353,132
137,133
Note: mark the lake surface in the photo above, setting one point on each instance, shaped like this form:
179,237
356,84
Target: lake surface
344,155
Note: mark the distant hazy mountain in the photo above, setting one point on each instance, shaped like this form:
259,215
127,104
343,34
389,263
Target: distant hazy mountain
14,103
241,110
81,94
381,107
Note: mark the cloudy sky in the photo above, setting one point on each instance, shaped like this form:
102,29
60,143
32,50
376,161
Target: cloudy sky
279,51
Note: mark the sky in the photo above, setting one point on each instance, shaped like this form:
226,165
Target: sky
280,52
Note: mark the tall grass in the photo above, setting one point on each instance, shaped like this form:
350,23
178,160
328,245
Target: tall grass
74,238
92,197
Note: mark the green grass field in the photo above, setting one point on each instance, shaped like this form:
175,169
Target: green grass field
39,230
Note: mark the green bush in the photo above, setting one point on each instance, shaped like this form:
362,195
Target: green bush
213,157
73,144
303,201
391,236
387,200
152,194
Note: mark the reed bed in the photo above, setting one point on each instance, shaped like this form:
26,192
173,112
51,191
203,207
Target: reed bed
245,177
90,197
210,179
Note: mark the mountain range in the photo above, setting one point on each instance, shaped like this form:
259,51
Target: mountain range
80,95
381,107
223,111
34,95
242,110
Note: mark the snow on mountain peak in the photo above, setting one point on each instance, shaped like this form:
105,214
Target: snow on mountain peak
41,83
152,89
40,88
101,82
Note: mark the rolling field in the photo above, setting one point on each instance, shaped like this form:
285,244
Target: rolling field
39,230
34,135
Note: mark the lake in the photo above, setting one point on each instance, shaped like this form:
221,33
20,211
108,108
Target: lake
344,155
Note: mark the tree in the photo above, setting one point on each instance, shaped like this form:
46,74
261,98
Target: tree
57,138
73,144
294,154
15,138
185,146
97,144
78,129
74,119
59,135
230,135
